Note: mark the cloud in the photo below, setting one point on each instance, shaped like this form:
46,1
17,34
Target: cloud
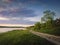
6,1
33,19
16,22
24,13
17,12
3,18
15,9
9,18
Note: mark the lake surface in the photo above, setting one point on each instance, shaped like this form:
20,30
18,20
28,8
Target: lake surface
9,29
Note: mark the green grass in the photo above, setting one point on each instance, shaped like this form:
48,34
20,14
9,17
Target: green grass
48,31
22,38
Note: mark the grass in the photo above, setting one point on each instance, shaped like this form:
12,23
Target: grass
22,38
52,32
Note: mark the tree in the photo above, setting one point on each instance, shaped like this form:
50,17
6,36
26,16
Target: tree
57,22
37,26
48,18
30,27
48,15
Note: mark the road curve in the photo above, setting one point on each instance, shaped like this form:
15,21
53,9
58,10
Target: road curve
51,38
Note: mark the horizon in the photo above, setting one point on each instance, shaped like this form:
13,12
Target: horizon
23,25
26,12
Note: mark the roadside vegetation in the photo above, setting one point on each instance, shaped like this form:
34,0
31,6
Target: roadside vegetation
48,24
22,38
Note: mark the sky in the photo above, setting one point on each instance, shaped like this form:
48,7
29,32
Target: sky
26,12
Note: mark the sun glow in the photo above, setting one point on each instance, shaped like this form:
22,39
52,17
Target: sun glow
24,25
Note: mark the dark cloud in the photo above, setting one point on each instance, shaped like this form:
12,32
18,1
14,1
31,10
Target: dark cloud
24,13
18,13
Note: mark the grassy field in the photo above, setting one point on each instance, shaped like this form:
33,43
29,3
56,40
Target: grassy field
52,32
22,38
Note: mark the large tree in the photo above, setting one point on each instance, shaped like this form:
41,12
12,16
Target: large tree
48,15
48,18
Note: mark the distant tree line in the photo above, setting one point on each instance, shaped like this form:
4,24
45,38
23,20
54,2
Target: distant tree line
11,27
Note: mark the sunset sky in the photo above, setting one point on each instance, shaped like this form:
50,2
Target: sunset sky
26,12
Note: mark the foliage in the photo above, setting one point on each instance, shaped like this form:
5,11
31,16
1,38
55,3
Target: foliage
48,15
30,28
57,22
48,18
37,26
48,24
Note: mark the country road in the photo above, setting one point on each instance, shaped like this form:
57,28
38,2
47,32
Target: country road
51,38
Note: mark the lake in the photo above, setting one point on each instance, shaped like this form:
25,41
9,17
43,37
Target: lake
9,29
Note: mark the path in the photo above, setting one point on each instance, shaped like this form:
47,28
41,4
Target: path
52,38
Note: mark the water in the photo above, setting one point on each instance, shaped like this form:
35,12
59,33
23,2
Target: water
9,29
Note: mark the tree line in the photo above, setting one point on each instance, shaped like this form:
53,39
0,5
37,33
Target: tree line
48,21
